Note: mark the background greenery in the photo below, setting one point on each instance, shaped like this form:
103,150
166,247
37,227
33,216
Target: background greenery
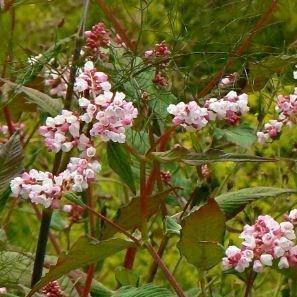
202,36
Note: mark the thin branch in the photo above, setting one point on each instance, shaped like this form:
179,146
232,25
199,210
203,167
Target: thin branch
243,46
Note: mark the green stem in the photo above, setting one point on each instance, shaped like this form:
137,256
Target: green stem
41,245
203,285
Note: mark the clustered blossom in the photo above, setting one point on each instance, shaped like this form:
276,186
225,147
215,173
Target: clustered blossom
53,289
90,81
229,80
165,176
205,172
63,133
46,189
193,117
74,212
81,172
263,243
110,113
287,115
38,186
161,50
56,80
159,55
98,37
190,116
229,108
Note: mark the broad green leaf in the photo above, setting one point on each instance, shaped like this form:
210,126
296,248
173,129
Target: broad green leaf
11,156
181,154
84,252
45,102
129,217
118,160
233,202
243,135
201,236
126,277
145,291
171,226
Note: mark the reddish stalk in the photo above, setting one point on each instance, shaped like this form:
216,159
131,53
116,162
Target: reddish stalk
91,268
130,257
171,279
243,46
117,25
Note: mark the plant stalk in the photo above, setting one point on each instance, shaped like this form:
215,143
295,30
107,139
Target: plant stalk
41,245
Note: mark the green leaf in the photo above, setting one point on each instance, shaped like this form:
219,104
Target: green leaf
243,135
233,202
201,236
118,160
45,102
171,226
72,197
145,291
11,156
181,154
126,277
129,217
84,252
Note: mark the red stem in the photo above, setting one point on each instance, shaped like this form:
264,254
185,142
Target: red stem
174,284
130,257
243,46
88,283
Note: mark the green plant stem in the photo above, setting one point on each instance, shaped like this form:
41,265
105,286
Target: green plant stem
91,268
41,245
203,284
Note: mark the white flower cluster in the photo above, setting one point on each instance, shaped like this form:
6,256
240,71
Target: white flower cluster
46,189
190,116
265,241
110,113
229,108
91,81
193,117
81,173
63,133
38,186
287,115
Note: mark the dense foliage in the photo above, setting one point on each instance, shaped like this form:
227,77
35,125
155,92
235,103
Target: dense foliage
148,148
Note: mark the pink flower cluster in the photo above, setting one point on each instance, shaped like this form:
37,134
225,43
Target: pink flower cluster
229,80
97,38
287,110
81,172
53,289
193,117
190,116
159,55
263,243
90,81
46,189
110,113
63,133
4,131
229,108
161,50
56,81
38,186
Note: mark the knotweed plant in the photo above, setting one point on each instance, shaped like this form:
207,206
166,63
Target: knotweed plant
135,170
